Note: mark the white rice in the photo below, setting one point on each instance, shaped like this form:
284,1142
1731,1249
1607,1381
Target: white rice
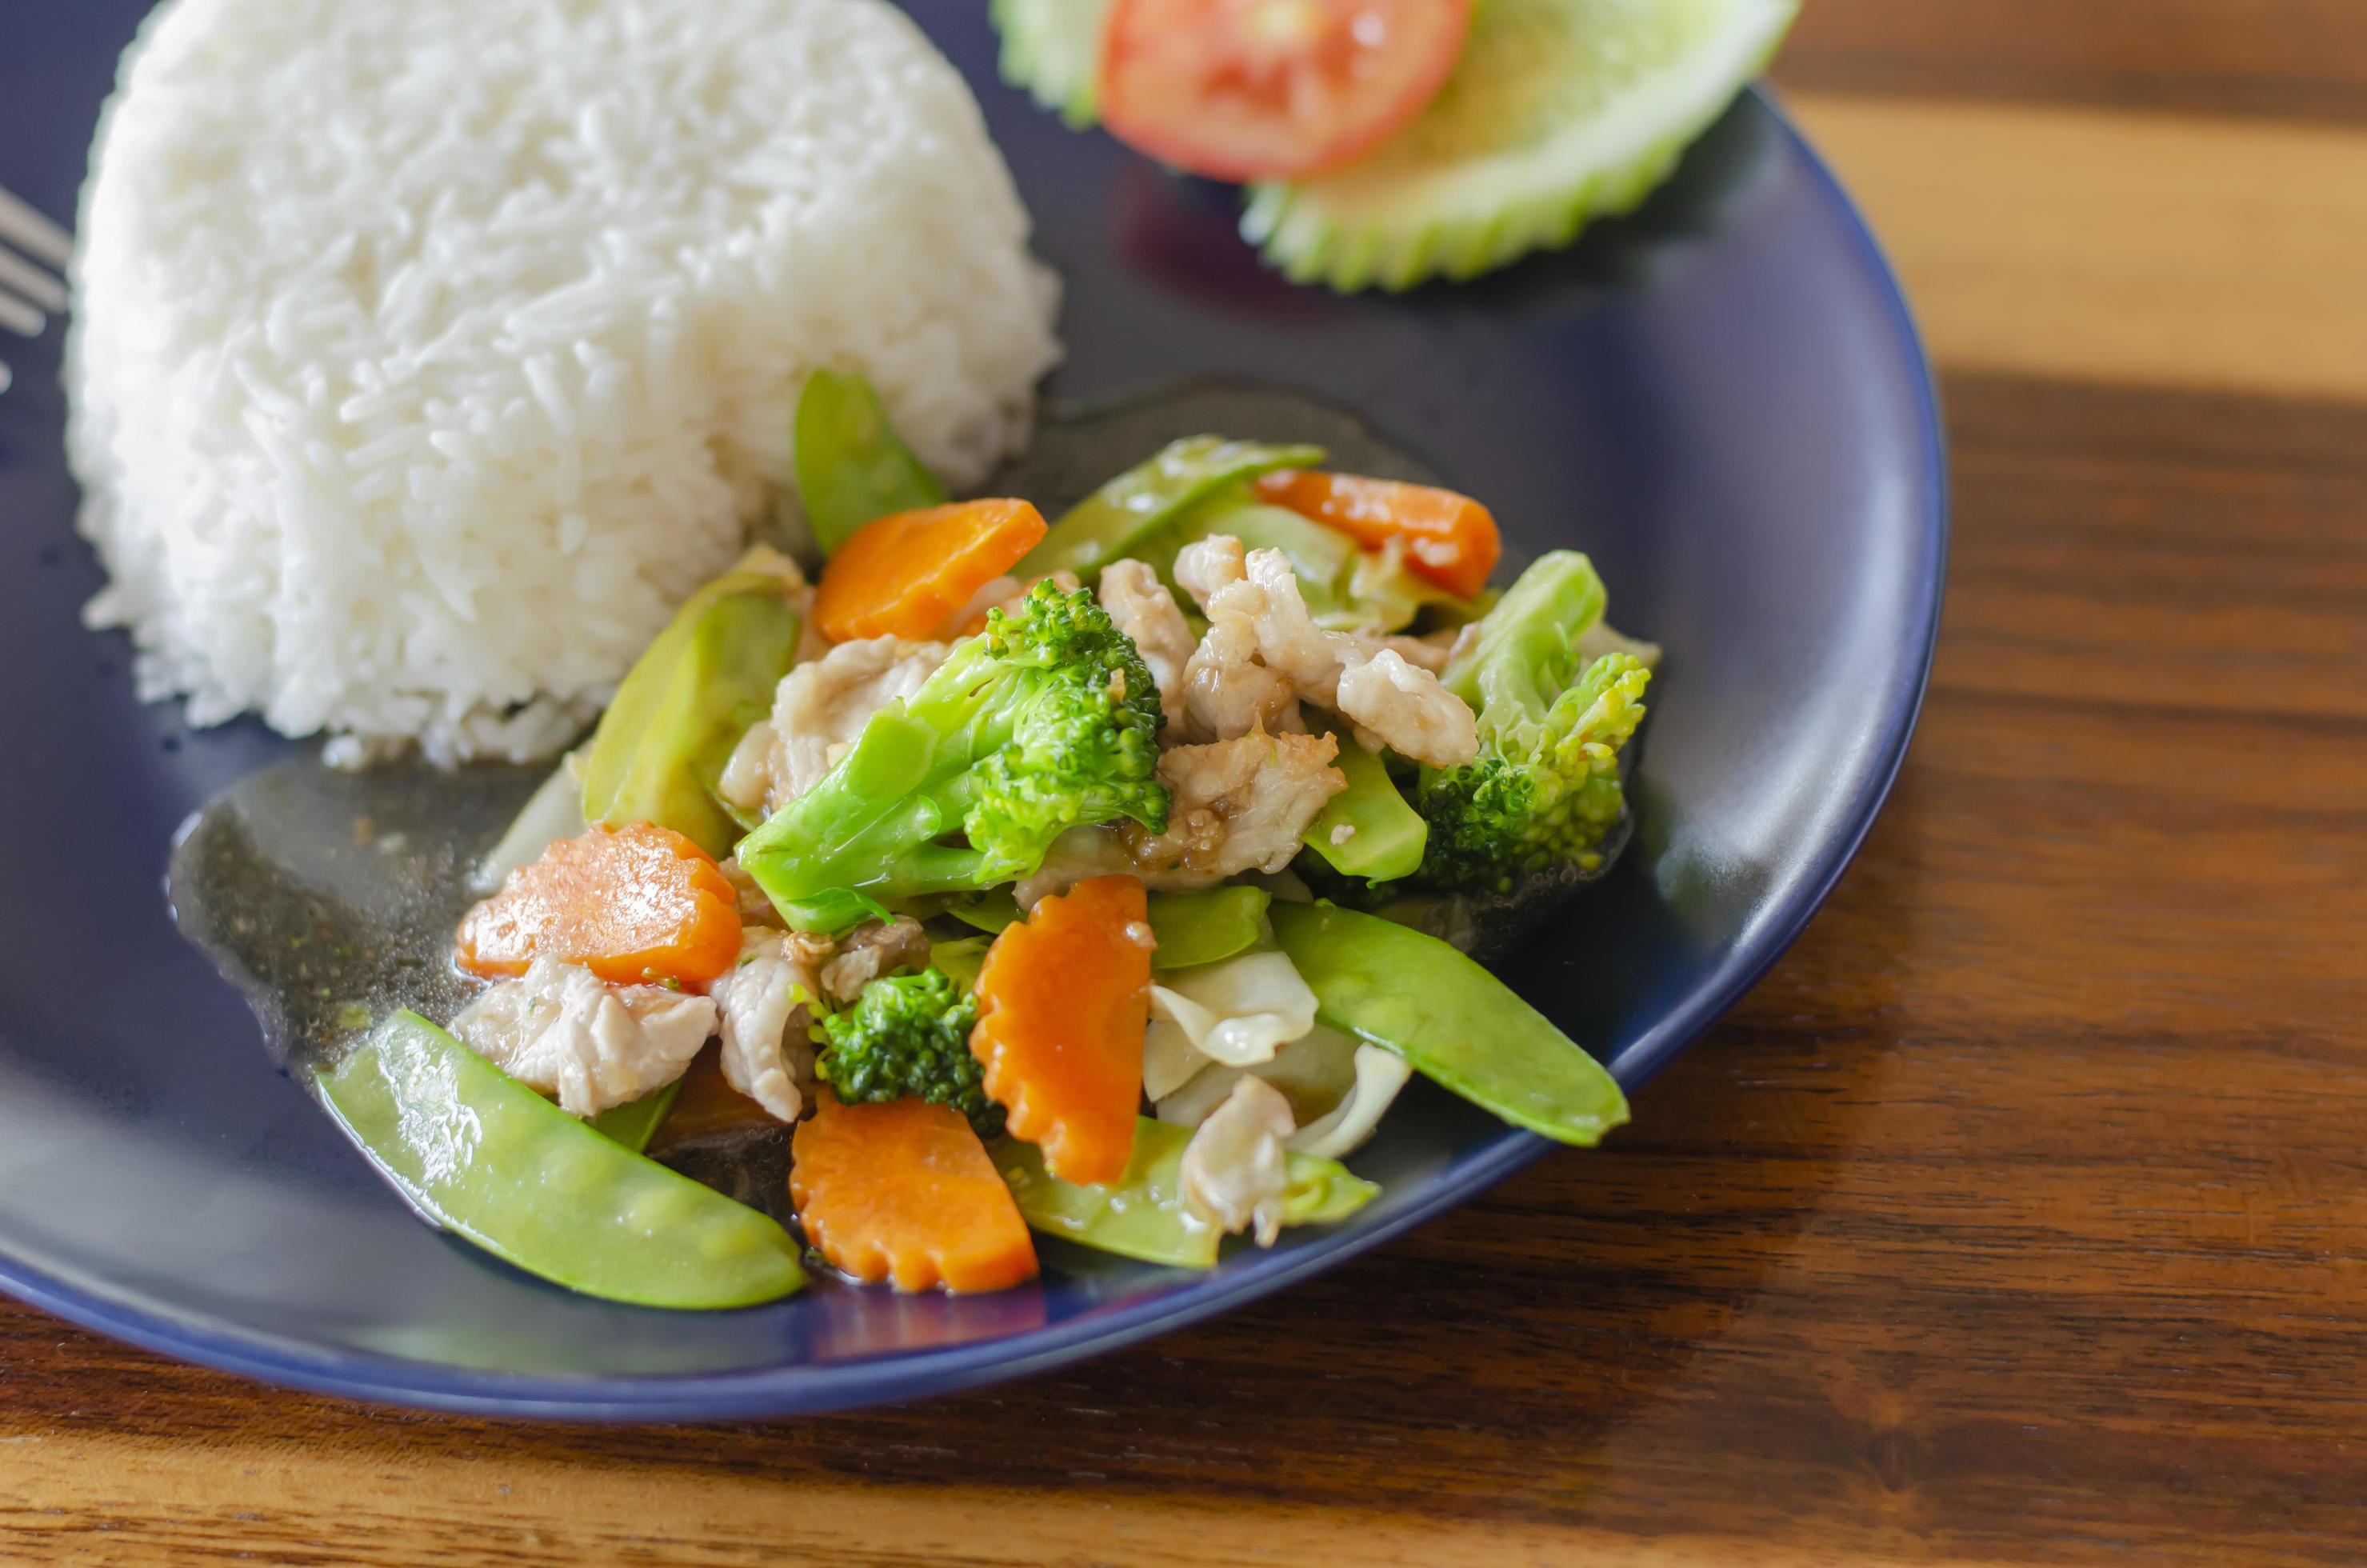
428,351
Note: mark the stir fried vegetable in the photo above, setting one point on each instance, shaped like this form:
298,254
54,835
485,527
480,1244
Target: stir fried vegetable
634,906
1044,721
851,467
987,814
907,574
904,1191
1196,928
1062,1001
1369,829
1546,788
489,1158
1457,1024
908,1038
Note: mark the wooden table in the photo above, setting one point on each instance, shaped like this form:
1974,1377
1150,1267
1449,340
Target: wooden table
2018,1217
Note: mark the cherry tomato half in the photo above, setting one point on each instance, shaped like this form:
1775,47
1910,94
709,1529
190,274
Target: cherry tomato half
1272,89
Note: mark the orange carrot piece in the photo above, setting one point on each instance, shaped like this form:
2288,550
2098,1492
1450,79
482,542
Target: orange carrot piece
906,574
638,904
904,1191
1062,1001
1450,539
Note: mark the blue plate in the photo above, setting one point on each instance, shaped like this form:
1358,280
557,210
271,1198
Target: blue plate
1722,399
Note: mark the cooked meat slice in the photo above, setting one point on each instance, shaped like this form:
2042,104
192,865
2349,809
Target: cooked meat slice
1226,692
1407,709
1235,1172
1140,606
563,1030
1208,565
1289,641
766,1009
747,779
1431,653
1264,652
822,706
1262,790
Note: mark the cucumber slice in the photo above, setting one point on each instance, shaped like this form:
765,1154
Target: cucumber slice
1560,111
1051,48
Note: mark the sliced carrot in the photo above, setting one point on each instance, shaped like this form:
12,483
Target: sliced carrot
904,1191
906,574
1450,539
1062,1001
638,904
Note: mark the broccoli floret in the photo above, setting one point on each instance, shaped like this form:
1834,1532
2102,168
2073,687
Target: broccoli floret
1544,790
1046,721
906,1037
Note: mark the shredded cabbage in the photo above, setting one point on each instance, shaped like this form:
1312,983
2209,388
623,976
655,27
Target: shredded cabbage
1338,1090
1237,1012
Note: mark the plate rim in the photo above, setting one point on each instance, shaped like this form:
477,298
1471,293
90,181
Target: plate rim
801,1389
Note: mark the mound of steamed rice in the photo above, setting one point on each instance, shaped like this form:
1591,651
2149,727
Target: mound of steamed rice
428,351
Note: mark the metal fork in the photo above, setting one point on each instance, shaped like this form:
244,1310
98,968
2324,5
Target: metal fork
28,293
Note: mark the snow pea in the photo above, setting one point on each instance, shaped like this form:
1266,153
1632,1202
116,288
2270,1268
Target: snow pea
633,1125
1385,835
1202,928
482,1154
851,467
1142,1214
1457,1024
989,912
1105,524
684,704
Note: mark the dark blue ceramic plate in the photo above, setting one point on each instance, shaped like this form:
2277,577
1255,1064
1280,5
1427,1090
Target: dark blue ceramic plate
1722,399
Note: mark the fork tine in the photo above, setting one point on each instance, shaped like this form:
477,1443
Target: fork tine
31,282
19,317
23,227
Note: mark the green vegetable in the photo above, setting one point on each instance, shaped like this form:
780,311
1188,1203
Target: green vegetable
850,465
1201,927
633,1125
1045,720
989,912
906,1037
683,706
485,1156
1454,1021
1559,112
1385,835
1105,524
1142,1213
960,958
1051,49
1544,790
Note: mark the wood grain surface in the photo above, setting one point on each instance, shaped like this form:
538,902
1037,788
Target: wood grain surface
2019,1216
